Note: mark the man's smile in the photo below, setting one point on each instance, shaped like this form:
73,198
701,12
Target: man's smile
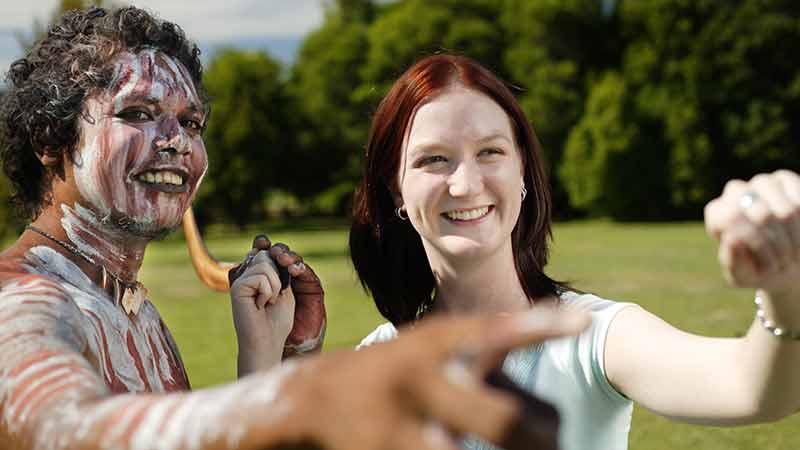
164,179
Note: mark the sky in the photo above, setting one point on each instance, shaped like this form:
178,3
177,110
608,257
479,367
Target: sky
277,26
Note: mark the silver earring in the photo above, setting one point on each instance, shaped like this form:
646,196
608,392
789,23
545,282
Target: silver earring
524,192
401,213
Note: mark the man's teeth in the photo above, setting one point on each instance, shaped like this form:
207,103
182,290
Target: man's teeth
467,214
161,177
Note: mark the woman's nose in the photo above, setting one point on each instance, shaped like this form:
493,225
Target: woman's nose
466,180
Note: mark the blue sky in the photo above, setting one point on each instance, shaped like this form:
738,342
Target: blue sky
275,25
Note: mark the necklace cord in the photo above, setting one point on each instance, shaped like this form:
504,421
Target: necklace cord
77,252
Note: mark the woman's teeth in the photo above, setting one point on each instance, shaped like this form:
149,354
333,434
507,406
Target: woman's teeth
467,214
161,177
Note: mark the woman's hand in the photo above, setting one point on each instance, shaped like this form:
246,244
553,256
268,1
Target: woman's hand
757,224
263,314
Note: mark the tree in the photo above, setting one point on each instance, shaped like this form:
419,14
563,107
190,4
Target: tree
249,137
555,50
609,168
408,31
713,92
332,122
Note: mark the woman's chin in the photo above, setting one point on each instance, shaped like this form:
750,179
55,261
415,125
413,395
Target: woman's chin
459,247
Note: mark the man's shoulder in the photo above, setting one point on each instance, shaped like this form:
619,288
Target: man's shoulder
20,286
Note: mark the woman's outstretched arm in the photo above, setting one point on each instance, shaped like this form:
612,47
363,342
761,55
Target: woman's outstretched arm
727,381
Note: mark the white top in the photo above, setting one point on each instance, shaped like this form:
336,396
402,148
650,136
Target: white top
570,374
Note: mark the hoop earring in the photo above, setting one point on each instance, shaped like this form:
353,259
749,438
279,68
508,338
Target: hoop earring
524,192
401,213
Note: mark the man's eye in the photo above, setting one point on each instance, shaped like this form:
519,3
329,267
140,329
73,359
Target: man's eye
135,115
192,125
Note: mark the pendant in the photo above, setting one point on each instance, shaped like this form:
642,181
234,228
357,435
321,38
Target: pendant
133,298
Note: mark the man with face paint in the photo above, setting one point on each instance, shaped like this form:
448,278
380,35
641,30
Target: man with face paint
102,141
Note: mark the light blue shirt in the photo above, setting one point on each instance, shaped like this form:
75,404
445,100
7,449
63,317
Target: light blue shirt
570,374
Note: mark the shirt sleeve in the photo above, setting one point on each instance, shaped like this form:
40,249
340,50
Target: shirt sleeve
384,332
590,345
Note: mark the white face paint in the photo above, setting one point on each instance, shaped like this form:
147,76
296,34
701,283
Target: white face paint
141,156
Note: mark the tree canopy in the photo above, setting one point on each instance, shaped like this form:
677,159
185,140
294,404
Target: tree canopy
644,109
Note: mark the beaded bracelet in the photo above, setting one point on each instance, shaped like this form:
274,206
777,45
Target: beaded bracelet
770,326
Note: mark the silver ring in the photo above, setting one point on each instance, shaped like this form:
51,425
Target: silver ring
748,199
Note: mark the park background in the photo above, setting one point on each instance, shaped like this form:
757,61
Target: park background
645,109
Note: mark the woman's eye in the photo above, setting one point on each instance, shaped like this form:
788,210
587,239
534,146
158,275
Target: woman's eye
135,115
490,151
192,125
428,160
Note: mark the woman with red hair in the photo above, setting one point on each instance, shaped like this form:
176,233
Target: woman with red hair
453,215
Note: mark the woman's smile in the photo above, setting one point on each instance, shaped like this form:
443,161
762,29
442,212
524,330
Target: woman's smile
468,216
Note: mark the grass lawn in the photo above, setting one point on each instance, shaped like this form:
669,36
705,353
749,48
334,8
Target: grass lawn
670,269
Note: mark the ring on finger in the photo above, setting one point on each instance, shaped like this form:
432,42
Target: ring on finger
748,199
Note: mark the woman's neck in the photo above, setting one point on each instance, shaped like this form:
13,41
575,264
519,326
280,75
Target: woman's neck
486,284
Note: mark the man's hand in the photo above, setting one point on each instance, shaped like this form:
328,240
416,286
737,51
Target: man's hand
308,320
425,389
262,313
308,330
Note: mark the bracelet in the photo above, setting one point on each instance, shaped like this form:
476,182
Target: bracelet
770,326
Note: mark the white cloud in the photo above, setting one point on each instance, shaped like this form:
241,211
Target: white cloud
212,20
202,19
208,22
19,15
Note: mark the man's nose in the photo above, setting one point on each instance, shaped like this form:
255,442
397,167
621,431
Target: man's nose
172,138
466,180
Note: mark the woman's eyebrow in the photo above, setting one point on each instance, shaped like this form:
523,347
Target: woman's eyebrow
494,136
427,146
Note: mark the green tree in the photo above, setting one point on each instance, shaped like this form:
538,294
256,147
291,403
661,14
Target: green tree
609,167
249,137
720,78
407,31
711,90
554,51
332,122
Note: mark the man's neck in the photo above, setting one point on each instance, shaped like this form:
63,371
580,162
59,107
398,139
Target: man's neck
88,237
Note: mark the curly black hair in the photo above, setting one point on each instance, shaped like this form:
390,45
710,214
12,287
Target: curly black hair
40,112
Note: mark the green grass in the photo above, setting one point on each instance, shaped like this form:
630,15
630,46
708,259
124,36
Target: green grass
670,269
